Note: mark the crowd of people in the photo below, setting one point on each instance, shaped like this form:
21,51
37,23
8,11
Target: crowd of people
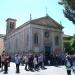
35,62
31,62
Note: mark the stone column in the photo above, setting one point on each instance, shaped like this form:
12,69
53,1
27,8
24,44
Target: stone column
61,45
42,40
53,41
30,38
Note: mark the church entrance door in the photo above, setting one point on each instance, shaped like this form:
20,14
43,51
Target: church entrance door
47,54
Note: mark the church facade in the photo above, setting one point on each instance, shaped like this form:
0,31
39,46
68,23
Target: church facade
42,35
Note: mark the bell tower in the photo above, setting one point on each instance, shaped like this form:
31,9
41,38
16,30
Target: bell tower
11,25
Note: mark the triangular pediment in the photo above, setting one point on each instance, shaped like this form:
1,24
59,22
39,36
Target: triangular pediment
46,21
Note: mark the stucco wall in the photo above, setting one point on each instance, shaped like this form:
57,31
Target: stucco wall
1,45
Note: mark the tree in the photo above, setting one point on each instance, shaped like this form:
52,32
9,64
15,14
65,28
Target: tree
69,44
68,47
69,9
73,44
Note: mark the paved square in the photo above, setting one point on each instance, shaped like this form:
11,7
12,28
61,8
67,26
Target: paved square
51,70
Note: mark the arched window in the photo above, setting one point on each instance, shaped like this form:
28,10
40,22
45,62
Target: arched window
36,38
56,40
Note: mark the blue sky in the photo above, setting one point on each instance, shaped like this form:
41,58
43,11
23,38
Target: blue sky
21,9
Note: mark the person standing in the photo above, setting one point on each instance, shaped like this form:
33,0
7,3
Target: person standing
41,61
17,62
9,59
26,62
6,61
31,65
73,67
22,60
68,65
2,61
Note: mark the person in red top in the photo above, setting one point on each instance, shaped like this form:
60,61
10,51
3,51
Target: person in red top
2,60
6,61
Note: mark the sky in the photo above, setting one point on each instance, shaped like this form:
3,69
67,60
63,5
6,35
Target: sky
21,10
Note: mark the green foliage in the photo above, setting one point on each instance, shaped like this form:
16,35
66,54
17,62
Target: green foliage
69,9
73,45
67,46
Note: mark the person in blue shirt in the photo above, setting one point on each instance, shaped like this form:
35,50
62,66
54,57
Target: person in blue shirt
17,62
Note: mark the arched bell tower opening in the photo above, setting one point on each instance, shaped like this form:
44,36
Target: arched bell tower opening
11,25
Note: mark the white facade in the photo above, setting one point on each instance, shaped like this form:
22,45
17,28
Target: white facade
22,38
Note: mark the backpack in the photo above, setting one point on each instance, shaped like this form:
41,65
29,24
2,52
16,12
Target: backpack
68,64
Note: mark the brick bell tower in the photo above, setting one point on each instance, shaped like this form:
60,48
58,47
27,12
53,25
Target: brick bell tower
11,25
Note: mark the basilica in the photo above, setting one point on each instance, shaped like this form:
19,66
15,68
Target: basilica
41,35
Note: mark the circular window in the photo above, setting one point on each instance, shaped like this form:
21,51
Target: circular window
47,34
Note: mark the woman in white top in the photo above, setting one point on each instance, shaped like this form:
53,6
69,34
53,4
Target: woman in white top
35,62
26,62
